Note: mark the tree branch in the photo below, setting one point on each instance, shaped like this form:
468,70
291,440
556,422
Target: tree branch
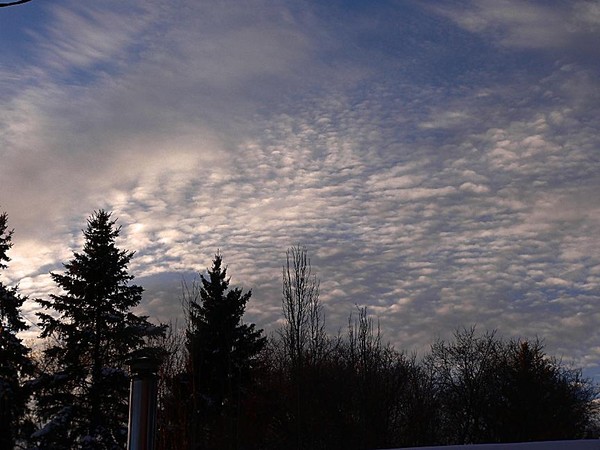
19,2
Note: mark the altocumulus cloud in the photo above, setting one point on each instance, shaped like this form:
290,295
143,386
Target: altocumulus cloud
439,162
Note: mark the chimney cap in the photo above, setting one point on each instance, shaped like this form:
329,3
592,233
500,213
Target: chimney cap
145,361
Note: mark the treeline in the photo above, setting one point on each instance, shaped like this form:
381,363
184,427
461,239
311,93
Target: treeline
304,389
224,384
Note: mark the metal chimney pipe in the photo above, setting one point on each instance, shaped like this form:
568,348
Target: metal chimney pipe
144,366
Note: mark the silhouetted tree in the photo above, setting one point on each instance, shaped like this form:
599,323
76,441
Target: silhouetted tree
303,331
388,398
540,398
464,372
91,330
173,392
368,359
489,390
303,337
15,364
414,421
360,394
222,352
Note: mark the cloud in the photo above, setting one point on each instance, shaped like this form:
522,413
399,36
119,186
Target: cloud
465,195
531,25
82,37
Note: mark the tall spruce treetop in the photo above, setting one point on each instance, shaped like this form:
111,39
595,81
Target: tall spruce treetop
92,329
220,345
15,364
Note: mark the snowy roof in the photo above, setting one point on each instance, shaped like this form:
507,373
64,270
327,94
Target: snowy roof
553,445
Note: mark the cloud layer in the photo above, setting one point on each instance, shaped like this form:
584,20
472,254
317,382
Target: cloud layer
440,163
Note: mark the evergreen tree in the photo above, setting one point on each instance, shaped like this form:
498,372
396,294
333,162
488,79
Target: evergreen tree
222,350
15,364
84,392
540,398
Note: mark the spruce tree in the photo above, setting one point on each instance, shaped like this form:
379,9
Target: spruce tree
15,364
92,330
222,350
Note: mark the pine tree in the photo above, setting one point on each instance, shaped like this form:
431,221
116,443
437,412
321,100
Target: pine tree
92,329
222,350
541,399
15,364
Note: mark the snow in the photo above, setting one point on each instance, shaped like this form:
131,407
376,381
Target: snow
553,445
58,421
111,371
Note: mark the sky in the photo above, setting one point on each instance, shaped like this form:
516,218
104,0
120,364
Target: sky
440,160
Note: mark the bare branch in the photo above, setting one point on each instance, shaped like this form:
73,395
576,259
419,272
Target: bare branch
19,2
304,330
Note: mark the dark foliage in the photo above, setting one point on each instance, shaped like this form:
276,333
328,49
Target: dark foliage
83,392
15,364
313,391
173,392
224,386
360,394
489,390
463,372
222,353
540,399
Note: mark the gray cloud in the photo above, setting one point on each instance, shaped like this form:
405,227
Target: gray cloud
531,25
439,201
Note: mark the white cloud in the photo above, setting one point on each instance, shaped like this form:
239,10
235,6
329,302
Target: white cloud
213,127
527,25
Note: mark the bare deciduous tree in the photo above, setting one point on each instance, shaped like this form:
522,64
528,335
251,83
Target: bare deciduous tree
463,371
304,329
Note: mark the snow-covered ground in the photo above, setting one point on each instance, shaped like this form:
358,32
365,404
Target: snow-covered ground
554,445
